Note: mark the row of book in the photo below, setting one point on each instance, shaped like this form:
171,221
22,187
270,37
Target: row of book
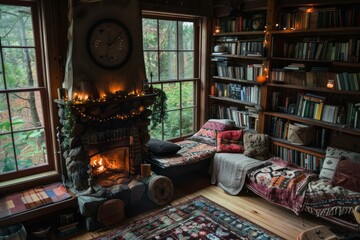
237,91
308,161
319,50
240,24
243,72
316,77
278,127
247,118
253,48
353,115
312,18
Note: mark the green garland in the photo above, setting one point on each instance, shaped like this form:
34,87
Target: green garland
159,108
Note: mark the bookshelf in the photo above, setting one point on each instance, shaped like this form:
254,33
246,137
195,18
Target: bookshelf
305,44
238,60
313,42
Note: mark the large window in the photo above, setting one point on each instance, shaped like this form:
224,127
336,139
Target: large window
171,61
23,106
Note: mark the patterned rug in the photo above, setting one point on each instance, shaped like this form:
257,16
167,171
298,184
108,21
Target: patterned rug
198,218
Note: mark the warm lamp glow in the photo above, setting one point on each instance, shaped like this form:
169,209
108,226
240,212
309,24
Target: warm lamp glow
217,29
330,84
261,79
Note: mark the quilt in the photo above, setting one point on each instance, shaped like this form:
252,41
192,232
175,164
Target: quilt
32,198
190,152
324,199
281,183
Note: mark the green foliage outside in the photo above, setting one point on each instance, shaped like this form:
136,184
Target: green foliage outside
169,55
22,138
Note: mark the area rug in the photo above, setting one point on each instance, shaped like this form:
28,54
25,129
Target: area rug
32,198
197,218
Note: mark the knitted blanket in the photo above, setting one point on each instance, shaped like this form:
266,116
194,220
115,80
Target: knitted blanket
229,171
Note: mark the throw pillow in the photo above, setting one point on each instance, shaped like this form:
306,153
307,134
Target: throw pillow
329,167
347,175
230,141
338,152
257,146
162,148
208,132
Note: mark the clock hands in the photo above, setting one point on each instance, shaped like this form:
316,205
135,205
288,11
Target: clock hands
110,43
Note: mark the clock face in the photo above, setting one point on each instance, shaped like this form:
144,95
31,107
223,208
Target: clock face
109,44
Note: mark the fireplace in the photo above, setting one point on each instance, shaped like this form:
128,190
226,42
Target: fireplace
102,138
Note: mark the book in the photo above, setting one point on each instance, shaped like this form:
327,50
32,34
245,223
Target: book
329,113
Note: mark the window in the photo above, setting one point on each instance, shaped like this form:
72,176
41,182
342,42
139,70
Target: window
171,60
24,128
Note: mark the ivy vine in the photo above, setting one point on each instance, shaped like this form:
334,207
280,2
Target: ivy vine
159,108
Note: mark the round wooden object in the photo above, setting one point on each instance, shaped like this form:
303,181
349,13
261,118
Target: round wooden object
111,212
160,190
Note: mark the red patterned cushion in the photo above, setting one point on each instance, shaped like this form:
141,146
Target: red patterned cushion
230,141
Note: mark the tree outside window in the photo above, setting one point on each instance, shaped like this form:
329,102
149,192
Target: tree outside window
170,61
22,93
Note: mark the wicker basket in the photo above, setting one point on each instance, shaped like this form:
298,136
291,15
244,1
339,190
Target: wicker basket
300,134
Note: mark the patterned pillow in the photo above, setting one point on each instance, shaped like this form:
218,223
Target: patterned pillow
332,158
257,146
208,132
230,141
329,167
337,153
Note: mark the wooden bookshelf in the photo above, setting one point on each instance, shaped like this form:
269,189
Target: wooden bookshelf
339,35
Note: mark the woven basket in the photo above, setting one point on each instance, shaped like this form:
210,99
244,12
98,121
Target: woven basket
300,134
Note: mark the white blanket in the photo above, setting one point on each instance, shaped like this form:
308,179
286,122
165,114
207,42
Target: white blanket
229,170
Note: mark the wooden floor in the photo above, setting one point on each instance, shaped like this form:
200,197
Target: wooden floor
274,218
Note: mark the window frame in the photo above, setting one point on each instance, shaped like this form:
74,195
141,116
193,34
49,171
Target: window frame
37,17
197,70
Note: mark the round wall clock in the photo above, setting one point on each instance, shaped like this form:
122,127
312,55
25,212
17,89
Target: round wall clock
109,44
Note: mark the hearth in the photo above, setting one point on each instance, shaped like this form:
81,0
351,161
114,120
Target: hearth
101,138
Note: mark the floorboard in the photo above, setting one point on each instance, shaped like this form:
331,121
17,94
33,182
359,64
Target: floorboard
274,218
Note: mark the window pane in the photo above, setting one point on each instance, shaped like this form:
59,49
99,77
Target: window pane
172,125
167,35
16,26
187,94
26,110
150,36
151,65
186,35
7,159
4,115
30,148
168,65
187,121
20,68
156,133
2,86
186,65
172,91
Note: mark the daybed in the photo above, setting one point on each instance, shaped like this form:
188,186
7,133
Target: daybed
293,187
195,153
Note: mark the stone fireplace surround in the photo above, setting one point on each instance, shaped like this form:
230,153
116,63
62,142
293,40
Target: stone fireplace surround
91,128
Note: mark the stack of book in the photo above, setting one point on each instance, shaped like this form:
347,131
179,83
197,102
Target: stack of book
311,106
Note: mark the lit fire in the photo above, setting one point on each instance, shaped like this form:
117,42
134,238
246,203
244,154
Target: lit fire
98,166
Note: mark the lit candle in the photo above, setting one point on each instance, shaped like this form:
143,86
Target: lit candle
261,79
330,84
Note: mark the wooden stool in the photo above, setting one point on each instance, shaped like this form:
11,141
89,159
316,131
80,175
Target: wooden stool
317,233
